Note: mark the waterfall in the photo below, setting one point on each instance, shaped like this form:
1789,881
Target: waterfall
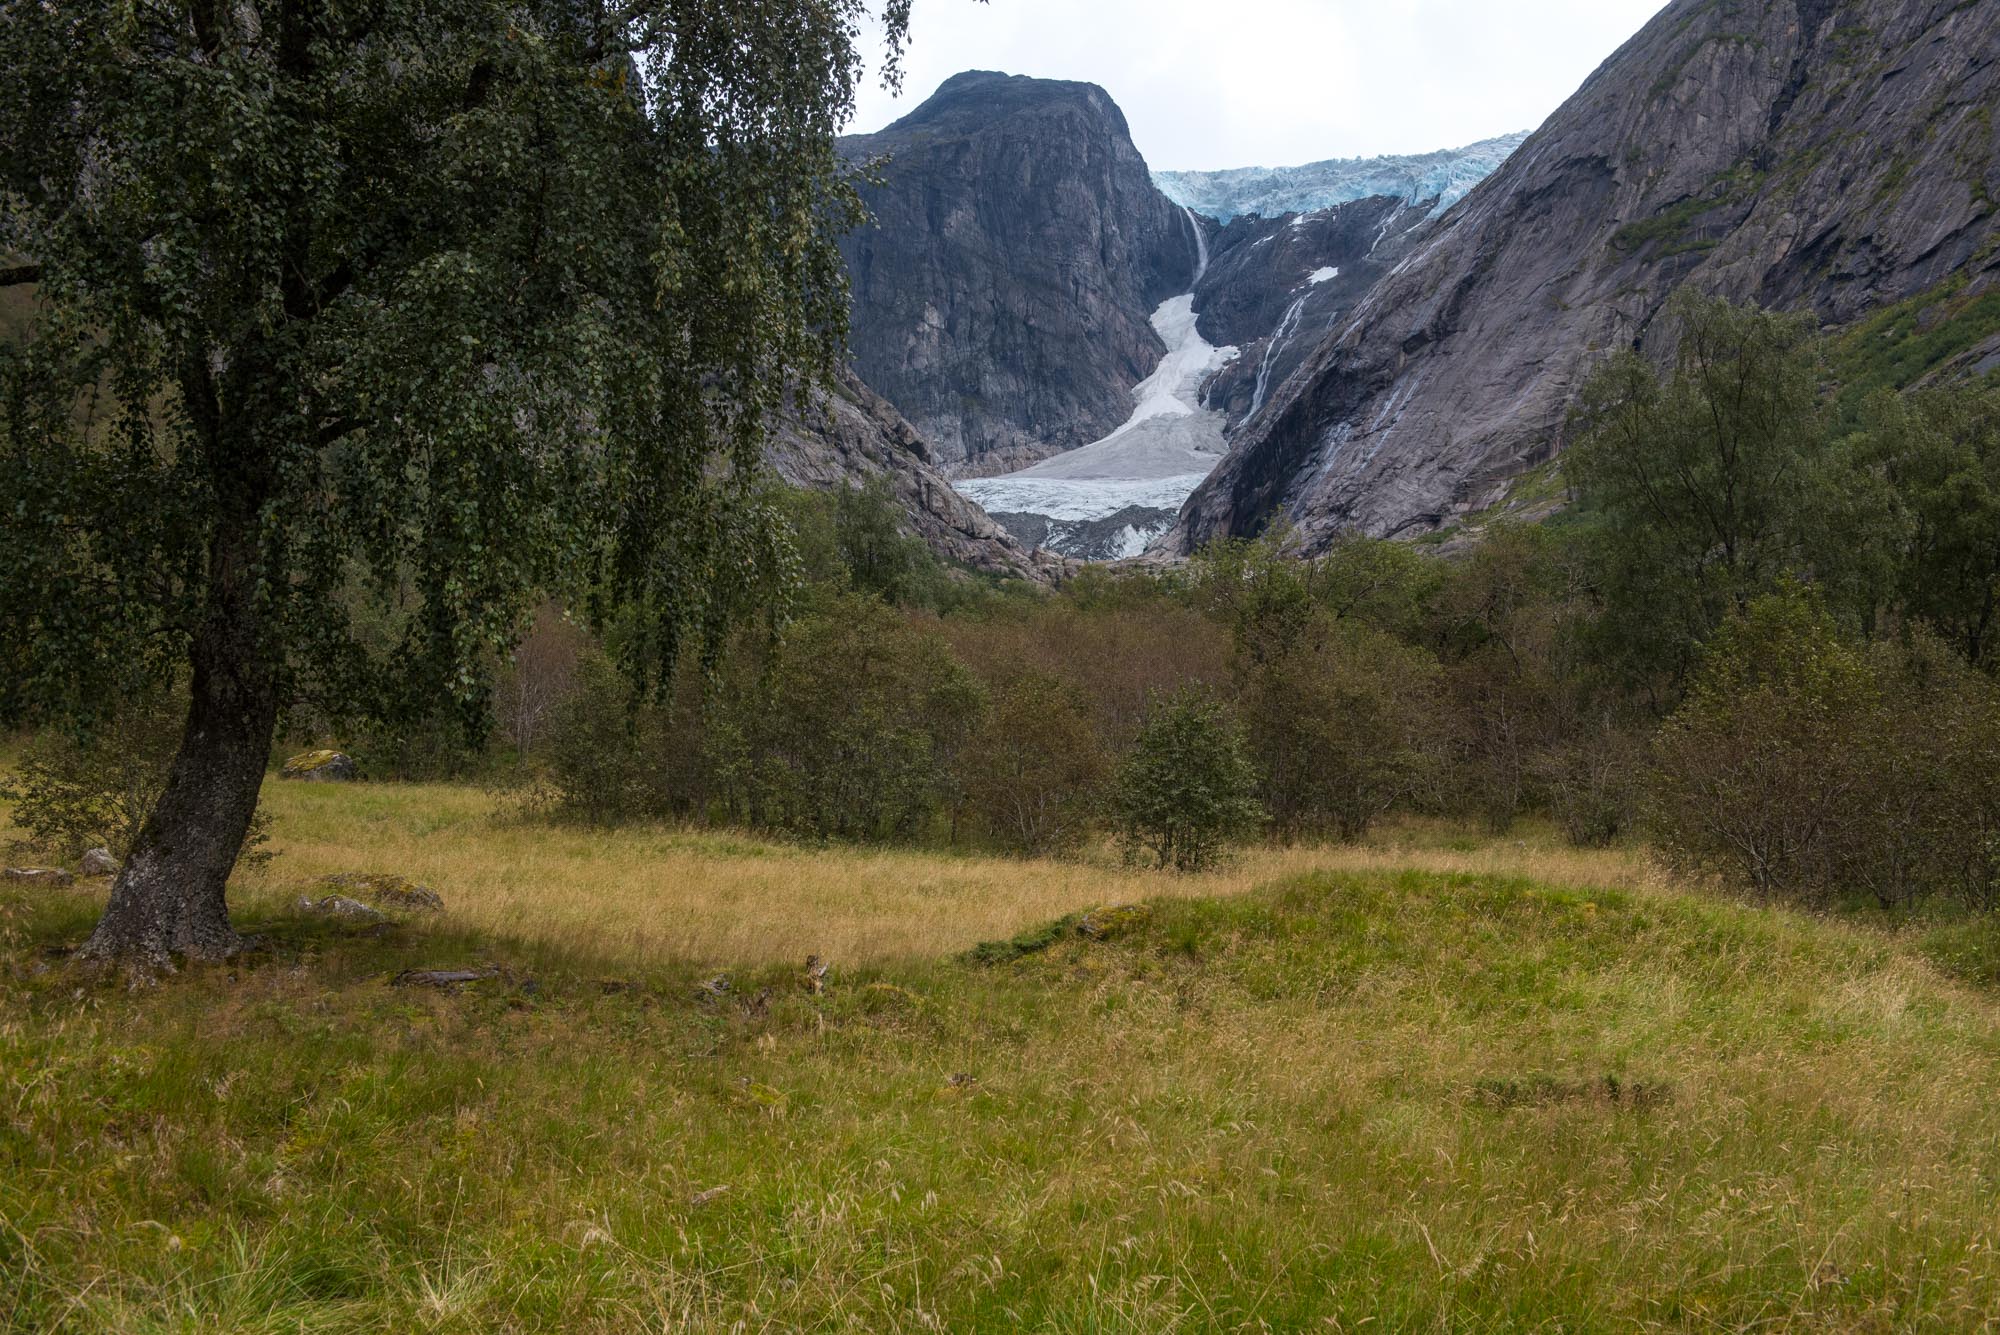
1200,248
1284,331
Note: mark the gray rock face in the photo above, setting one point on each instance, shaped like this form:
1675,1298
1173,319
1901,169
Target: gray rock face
1002,297
1277,287
860,436
99,862
1832,155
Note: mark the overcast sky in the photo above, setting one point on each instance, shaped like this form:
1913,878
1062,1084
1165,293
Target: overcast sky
1242,83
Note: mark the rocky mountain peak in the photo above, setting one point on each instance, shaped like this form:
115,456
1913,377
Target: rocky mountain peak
1003,294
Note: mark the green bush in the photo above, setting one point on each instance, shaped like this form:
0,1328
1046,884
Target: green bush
849,727
1339,730
606,758
1034,772
1806,766
1188,788
1593,786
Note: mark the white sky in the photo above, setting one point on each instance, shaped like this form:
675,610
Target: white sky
1243,83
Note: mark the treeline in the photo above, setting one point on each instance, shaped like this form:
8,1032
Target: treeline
1765,628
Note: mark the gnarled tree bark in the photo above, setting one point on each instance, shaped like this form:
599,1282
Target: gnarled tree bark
170,898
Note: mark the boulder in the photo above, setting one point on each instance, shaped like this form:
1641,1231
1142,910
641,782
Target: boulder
99,862
320,767
37,876
385,890
340,906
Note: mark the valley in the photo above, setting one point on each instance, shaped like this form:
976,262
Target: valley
1405,398
646,686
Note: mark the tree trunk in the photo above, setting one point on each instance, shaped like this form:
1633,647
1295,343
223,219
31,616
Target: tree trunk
169,898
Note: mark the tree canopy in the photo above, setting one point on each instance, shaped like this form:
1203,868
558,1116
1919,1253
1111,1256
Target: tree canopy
430,306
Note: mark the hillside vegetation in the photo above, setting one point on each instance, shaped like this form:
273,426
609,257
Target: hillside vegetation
1425,1082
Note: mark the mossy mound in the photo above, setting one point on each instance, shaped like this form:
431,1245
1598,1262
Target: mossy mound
1114,921
1099,924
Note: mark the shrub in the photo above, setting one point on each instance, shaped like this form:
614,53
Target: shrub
1188,788
77,791
1034,771
1339,730
606,757
1593,781
1764,759
849,728
594,751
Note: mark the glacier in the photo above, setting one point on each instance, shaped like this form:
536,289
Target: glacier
1271,192
1150,465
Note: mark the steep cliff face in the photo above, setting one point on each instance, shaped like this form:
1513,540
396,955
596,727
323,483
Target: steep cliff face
1832,155
860,437
1003,295
1278,286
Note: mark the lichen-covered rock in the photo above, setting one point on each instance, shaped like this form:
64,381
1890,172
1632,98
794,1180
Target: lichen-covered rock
385,890
45,876
340,906
1107,924
320,767
99,862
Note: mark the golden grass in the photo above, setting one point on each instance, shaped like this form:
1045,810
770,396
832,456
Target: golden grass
659,893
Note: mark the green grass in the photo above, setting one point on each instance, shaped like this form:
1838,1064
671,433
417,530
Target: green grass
1341,1100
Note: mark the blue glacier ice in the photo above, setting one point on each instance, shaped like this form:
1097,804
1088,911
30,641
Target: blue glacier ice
1446,176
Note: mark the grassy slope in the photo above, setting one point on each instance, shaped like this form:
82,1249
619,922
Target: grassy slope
1423,1098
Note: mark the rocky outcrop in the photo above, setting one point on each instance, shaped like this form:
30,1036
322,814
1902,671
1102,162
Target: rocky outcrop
40,876
857,436
1837,156
1114,537
384,890
1003,292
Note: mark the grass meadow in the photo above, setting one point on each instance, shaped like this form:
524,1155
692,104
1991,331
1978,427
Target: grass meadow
1435,1082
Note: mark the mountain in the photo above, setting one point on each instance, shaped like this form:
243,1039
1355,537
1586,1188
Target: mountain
1837,156
1074,345
1003,294
1272,192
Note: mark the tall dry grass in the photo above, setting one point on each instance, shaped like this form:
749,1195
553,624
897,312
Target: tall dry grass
653,893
